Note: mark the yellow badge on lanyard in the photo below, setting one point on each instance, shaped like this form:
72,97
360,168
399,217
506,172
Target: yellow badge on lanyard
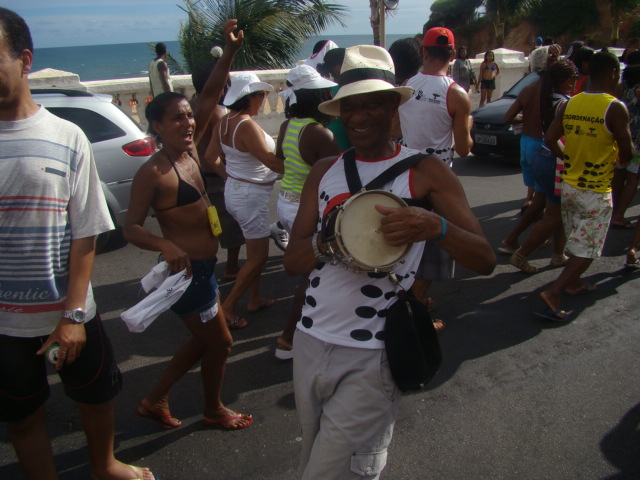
214,221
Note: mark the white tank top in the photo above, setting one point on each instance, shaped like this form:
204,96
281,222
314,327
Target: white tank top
154,78
425,120
348,308
243,165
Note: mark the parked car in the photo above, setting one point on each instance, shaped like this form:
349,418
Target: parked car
491,135
119,145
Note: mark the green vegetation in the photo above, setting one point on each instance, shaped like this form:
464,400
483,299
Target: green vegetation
273,29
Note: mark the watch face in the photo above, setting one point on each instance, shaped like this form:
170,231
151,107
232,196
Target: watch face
78,315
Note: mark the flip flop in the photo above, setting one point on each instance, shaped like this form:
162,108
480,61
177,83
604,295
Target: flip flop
227,279
265,304
506,250
138,470
161,419
632,262
237,324
226,422
553,315
585,288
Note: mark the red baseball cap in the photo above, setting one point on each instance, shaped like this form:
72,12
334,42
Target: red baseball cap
439,37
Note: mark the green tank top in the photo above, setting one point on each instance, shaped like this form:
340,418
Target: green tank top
295,168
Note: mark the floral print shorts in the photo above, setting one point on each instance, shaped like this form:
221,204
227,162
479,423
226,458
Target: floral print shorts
585,215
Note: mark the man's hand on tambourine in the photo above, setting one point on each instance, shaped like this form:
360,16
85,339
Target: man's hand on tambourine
402,226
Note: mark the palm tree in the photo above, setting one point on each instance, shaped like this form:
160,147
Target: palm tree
501,13
618,8
274,29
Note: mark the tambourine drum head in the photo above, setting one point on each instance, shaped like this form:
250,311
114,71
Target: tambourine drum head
360,235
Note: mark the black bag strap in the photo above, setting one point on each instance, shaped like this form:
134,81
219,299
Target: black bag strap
353,179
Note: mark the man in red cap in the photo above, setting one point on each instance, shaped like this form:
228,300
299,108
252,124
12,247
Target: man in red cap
436,120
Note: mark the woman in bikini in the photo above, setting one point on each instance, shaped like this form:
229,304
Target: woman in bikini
489,70
171,184
251,171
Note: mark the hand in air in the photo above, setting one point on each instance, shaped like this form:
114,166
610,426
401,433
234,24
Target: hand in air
233,40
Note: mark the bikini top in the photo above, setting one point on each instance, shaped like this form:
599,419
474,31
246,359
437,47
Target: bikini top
493,67
187,193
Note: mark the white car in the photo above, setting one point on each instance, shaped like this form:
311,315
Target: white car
119,145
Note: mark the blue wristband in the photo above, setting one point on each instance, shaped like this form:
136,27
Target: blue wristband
443,230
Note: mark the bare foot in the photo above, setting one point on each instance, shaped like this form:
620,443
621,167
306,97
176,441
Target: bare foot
261,305
227,419
580,287
121,471
508,248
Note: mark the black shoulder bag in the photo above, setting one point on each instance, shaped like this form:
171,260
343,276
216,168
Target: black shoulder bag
410,340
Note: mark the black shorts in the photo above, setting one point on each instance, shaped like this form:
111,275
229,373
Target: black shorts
488,84
93,378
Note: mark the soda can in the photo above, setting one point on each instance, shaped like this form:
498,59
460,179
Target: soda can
52,353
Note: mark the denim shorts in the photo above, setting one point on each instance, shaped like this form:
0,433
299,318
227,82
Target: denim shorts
93,378
249,205
202,294
528,148
544,173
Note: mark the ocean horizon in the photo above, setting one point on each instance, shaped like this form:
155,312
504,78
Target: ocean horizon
129,60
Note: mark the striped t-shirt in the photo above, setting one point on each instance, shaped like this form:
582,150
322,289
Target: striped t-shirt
49,194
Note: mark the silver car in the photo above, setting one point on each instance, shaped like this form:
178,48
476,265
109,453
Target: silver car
119,145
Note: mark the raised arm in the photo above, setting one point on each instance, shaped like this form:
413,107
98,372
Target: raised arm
205,103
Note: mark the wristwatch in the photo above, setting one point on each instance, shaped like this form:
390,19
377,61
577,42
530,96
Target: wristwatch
316,251
76,316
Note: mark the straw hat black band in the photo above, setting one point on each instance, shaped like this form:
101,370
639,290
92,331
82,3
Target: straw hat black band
358,74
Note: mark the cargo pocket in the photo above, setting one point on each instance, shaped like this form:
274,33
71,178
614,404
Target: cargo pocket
368,464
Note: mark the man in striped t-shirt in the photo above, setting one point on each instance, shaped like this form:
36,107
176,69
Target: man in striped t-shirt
51,209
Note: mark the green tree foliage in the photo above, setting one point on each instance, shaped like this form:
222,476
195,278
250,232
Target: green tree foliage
453,13
273,29
555,17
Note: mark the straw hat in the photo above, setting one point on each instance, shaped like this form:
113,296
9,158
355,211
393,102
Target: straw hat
366,69
242,84
304,76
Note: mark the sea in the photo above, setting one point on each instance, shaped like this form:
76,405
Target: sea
127,60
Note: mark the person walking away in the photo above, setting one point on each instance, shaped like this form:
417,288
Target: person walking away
170,182
526,110
555,85
302,141
436,120
231,238
595,126
345,396
51,209
625,179
252,170
489,70
159,76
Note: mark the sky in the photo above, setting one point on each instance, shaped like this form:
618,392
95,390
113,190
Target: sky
62,23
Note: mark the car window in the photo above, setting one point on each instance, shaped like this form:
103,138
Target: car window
96,127
519,86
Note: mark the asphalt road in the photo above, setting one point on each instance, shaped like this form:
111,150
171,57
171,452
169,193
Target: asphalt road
516,398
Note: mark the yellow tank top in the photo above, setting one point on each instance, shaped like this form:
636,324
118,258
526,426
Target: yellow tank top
590,149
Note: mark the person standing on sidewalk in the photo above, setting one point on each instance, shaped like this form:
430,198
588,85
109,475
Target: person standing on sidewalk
159,76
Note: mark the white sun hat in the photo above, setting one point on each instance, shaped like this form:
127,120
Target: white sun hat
366,69
304,76
242,84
